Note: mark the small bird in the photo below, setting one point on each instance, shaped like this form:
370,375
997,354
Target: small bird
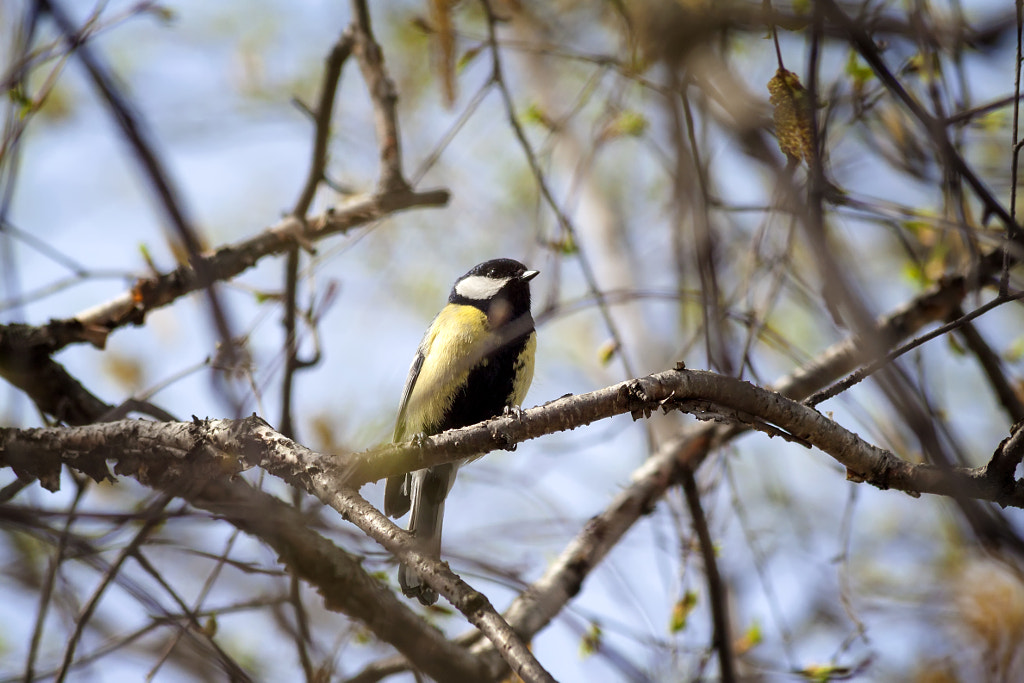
475,362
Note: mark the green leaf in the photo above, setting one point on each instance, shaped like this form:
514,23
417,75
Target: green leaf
749,639
628,123
606,352
147,256
1015,352
591,640
955,346
915,273
533,114
468,56
823,673
993,121
566,246
859,72
681,611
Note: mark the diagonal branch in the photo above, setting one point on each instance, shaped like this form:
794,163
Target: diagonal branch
149,293
160,453
338,576
545,598
134,130
471,603
322,118
992,365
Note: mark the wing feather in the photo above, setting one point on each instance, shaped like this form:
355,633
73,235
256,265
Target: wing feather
397,494
410,382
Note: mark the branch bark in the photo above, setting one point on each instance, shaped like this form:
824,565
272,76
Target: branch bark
191,463
165,454
218,447
149,293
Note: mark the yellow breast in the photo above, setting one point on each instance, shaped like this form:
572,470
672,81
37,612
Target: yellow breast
524,371
455,342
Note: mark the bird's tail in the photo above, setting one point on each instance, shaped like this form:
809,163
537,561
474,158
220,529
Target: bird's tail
428,491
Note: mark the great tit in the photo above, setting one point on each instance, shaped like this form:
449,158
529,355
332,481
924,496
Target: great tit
474,362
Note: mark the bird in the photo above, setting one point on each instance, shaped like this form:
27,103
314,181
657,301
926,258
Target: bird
475,362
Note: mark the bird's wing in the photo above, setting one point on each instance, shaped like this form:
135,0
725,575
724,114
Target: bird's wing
410,382
396,491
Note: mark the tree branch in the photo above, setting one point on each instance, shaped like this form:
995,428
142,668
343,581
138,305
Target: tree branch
384,98
149,293
338,576
340,579
322,117
722,640
218,447
544,599
135,132
471,603
933,127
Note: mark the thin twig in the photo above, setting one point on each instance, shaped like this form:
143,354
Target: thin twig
138,137
867,370
1004,281
226,262
322,115
90,607
383,97
867,49
563,220
51,576
722,639
193,613
992,366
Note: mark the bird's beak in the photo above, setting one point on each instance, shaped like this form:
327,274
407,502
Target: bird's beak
529,275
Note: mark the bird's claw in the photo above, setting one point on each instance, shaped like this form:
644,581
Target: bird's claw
516,411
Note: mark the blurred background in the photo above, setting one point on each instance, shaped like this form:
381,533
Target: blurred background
662,232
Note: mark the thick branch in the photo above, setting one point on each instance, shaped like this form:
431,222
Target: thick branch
159,453
1008,455
215,450
26,364
190,459
213,447
340,579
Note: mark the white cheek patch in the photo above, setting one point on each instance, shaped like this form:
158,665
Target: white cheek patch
479,287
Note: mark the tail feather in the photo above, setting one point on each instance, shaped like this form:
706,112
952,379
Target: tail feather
428,490
396,496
